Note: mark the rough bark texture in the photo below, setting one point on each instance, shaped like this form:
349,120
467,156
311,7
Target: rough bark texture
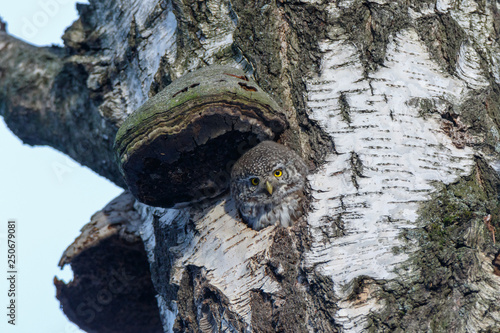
396,103
112,289
45,100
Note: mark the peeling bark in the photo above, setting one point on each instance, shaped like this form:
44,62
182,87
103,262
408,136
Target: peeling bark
395,103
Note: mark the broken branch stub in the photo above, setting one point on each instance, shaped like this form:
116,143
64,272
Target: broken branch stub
180,145
112,290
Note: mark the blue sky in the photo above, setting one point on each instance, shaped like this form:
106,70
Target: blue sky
48,194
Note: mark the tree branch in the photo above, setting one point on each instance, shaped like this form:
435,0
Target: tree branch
45,100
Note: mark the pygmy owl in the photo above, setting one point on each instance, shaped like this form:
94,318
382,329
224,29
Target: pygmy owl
267,185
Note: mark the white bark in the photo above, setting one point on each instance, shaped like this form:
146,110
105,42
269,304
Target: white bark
401,152
403,155
407,92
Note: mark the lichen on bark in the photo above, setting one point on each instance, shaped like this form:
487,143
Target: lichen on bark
451,251
369,25
292,31
395,103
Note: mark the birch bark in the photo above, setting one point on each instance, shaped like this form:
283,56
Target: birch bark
395,103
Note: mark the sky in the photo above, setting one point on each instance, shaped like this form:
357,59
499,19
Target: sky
49,195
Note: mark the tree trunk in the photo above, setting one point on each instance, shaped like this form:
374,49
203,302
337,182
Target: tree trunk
396,104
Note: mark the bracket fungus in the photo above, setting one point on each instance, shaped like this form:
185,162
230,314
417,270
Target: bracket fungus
180,145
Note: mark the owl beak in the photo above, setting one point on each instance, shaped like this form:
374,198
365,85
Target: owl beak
269,187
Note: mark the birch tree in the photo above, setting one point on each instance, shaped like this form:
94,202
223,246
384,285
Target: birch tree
394,104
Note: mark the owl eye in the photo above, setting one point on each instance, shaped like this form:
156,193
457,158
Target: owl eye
278,173
254,181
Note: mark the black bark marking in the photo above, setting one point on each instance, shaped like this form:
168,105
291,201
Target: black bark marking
247,87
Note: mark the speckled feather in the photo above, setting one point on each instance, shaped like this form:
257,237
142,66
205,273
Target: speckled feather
256,205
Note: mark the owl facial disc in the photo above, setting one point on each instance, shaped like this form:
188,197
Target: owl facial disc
267,185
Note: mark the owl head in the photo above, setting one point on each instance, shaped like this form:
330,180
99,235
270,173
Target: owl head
266,182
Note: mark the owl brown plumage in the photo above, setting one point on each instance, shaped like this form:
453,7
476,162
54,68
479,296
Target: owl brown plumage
267,184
